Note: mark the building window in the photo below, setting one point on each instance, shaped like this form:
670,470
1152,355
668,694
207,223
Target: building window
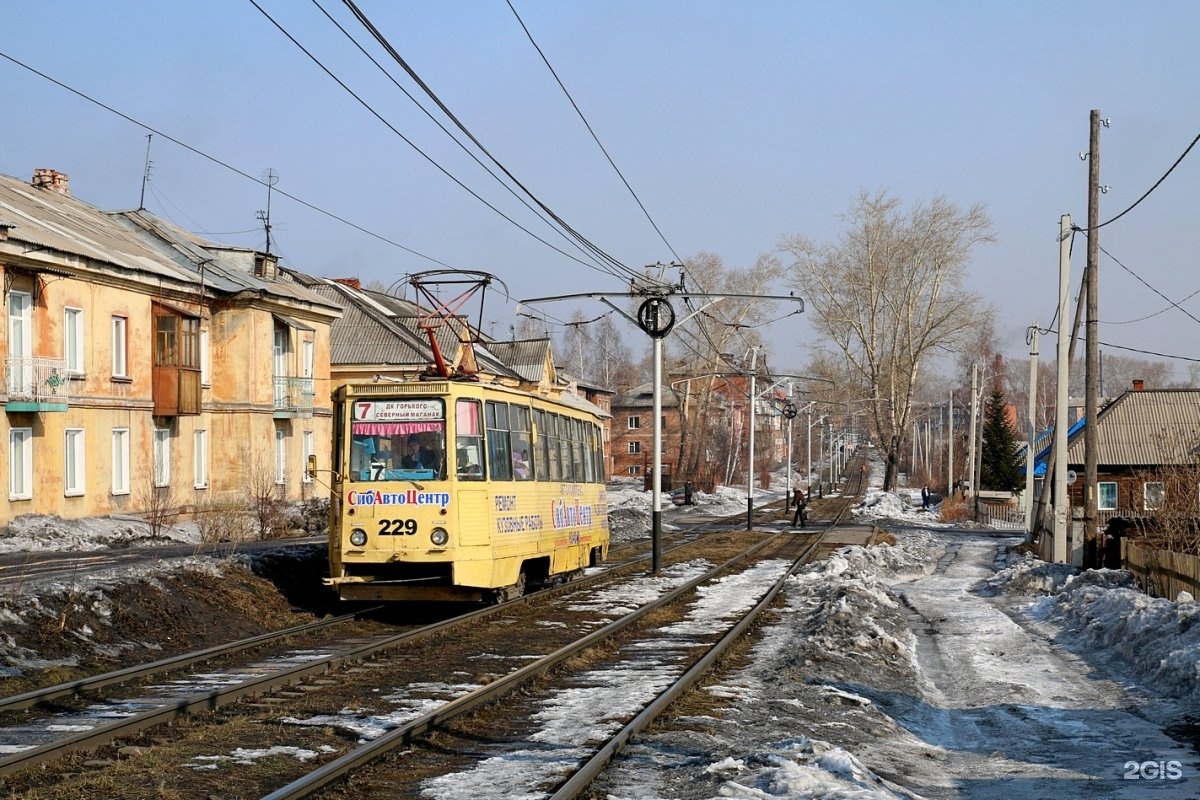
200,460
635,422
20,464
74,473
162,456
205,361
635,447
307,444
1152,495
73,339
189,342
119,344
634,470
307,359
280,457
120,461
1106,496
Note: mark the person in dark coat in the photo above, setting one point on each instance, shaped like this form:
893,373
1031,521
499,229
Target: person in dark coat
800,516
925,497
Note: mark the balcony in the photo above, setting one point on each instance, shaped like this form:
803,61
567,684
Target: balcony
293,397
36,384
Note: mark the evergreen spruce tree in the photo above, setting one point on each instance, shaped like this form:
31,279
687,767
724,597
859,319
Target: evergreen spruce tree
1000,469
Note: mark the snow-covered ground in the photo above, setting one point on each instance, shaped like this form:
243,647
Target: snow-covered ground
944,666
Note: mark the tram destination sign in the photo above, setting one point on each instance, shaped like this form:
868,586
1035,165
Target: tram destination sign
398,411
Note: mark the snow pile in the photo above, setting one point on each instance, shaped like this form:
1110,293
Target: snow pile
1029,576
1158,639
37,532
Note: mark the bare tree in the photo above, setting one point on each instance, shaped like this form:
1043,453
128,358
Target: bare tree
718,340
890,294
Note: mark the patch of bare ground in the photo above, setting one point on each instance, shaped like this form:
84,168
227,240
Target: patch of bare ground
69,633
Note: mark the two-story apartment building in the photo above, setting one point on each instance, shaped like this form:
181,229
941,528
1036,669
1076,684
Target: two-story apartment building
140,359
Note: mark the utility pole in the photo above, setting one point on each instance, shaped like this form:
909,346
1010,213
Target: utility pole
750,452
1059,465
971,443
1091,442
1031,432
950,447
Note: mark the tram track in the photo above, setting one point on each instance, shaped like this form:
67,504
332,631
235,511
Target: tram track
313,677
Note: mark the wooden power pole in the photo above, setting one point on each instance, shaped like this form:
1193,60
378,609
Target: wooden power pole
1091,532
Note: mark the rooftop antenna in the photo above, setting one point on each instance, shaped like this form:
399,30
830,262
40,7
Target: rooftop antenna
146,173
270,177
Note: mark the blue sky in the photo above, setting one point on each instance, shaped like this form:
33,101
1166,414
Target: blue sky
735,123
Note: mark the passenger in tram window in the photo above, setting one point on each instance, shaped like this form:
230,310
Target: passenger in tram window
521,465
418,456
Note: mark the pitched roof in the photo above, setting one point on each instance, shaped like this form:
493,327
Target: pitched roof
526,357
643,397
1145,428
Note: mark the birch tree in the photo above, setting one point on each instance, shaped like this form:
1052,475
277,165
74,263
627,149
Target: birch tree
889,295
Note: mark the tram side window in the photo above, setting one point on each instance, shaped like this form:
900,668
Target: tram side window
519,425
589,449
541,464
552,421
498,442
565,432
468,440
578,448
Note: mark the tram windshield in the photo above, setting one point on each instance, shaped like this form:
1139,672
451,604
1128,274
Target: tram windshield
398,440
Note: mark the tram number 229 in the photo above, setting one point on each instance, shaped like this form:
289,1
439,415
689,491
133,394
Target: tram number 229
397,527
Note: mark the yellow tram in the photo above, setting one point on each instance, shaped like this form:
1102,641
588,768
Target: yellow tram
449,490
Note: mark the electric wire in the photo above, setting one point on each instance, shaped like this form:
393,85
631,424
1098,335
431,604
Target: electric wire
221,163
1151,189
1131,349
408,141
618,270
445,130
588,125
1145,283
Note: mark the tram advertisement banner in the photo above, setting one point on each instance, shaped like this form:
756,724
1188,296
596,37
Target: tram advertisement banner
398,410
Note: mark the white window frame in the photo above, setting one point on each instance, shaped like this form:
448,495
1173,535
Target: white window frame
162,457
73,350
20,464
634,448
1162,493
205,360
74,464
200,459
120,347
120,461
1100,496
280,457
307,358
634,422
308,440
633,469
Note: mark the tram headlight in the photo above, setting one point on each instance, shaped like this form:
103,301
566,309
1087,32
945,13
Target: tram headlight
439,536
358,537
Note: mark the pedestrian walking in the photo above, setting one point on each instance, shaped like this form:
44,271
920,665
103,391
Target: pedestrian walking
800,516
925,498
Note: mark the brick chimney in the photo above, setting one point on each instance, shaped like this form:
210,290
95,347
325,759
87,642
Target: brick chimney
1138,384
353,283
52,179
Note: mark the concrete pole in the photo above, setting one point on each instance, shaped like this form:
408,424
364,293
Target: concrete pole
950,447
1059,554
656,516
1031,432
750,455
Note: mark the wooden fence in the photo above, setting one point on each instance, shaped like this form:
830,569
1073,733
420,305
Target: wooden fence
1161,573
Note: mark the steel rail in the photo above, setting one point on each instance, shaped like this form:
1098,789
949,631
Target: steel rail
87,740
340,767
31,698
